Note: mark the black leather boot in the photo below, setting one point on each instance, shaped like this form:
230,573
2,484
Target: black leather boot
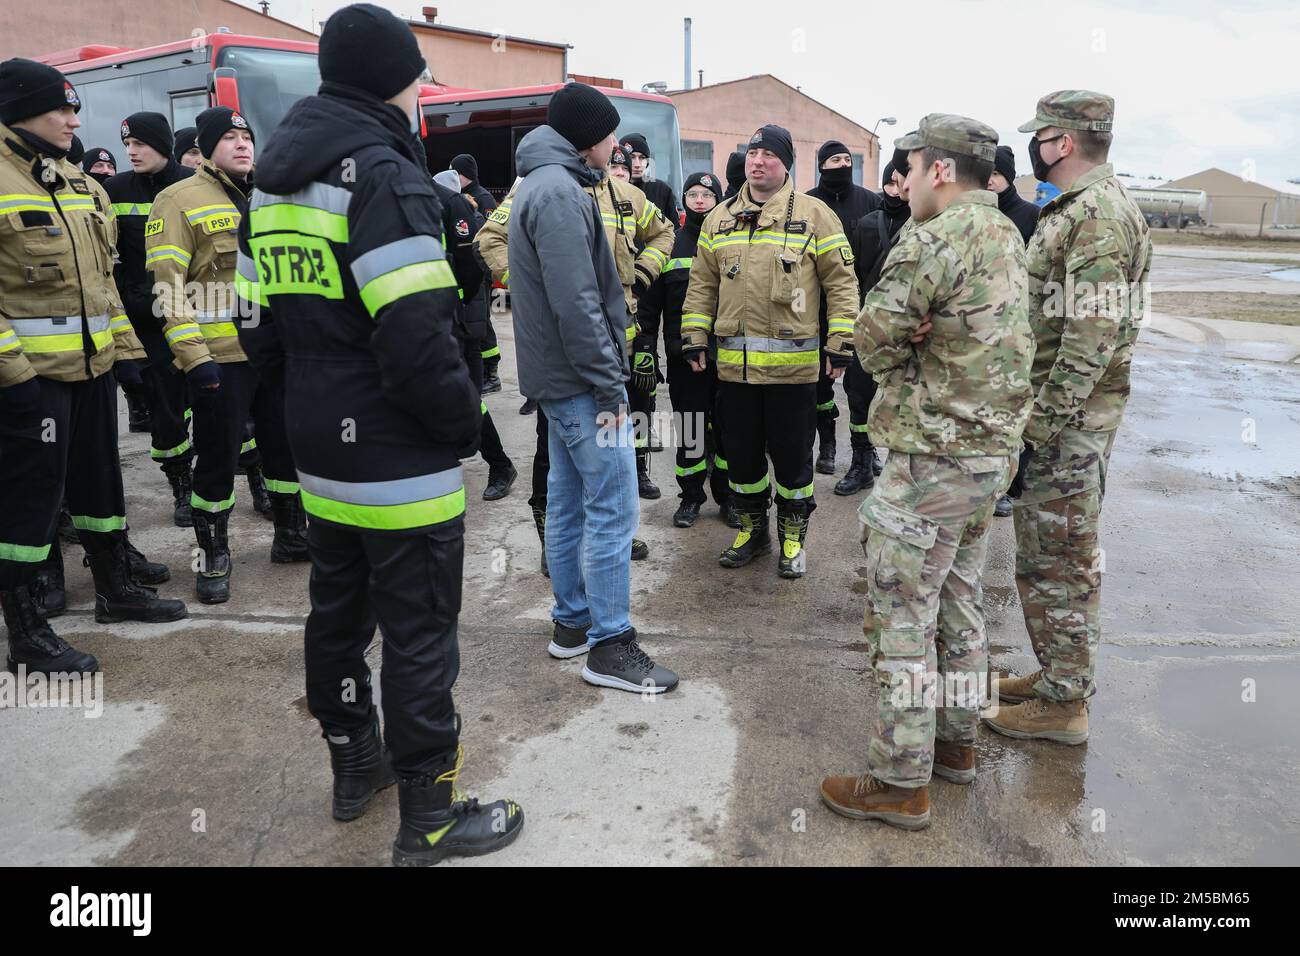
257,490
289,544
361,768
67,530
180,478
137,410
686,513
539,521
753,539
119,598
644,486
47,587
792,525
146,572
33,644
859,477
439,821
212,583
826,451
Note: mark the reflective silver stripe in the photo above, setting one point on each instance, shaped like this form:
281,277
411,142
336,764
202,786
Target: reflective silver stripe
245,267
395,255
63,325
401,491
21,200
204,318
758,344
333,199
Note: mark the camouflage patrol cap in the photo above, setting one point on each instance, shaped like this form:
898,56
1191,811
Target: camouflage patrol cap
1073,109
957,134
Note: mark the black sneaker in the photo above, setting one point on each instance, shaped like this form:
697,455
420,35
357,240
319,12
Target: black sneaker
528,407
1003,508
568,642
499,483
620,663
640,550
686,513
490,384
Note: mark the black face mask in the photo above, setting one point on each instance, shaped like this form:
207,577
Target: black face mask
894,205
1041,168
838,178
695,220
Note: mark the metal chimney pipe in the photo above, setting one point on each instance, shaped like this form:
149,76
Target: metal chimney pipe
687,84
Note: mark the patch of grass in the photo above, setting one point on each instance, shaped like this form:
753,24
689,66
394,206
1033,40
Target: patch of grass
1237,306
1219,237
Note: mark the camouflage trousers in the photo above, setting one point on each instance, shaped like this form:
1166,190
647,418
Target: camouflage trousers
925,534
1058,559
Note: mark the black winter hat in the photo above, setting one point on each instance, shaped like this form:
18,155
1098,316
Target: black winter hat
152,129
28,89
184,142
581,114
213,124
887,176
899,158
832,147
707,180
776,139
97,155
620,156
1004,162
636,143
736,169
467,166
368,48
76,151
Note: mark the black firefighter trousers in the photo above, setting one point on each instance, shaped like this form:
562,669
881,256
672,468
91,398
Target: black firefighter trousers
779,421
410,584
69,437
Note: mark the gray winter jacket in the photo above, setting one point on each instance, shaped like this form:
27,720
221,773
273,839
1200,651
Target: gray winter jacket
567,301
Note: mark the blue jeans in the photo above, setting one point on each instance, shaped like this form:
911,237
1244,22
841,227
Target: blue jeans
592,511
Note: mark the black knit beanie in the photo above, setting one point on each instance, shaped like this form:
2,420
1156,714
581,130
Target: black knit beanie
467,166
184,142
775,139
620,156
636,143
735,171
368,48
76,151
213,124
152,129
97,155
707,180
28,89
832,147
1004,162
887,176
581,114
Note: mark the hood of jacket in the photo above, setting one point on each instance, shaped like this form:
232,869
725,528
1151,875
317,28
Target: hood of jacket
320,131
545,147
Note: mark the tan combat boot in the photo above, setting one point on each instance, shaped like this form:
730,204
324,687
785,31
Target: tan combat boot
866,798
954,762
1016,690
1065,722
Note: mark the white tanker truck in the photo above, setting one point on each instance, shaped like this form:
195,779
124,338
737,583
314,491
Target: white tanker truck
1171,207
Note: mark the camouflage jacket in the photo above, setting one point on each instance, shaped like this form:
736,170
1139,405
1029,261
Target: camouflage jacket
1088,265
964,389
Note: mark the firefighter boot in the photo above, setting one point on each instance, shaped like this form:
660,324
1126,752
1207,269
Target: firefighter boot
119,598
212,583
753,538
32,644
47,587
361,768
144,571
181,479
860,476
439,821
826,445
257,491
289,544
137,410
644,486
792,525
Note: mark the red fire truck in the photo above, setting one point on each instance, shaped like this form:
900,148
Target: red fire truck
263,77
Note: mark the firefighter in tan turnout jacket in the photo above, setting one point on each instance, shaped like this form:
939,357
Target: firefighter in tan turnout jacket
191,244
62,333
763,261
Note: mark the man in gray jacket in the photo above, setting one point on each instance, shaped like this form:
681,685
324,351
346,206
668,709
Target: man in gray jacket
570,322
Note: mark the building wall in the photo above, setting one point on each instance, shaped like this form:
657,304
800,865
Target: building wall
729,113
480,63
1234,201
34,29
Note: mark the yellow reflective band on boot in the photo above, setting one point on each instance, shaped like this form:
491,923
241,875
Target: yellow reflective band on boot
395,505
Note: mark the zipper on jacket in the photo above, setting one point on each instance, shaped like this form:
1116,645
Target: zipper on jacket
81,288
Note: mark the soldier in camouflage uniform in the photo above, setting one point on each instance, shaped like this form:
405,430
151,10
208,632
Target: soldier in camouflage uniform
946,333
1088,266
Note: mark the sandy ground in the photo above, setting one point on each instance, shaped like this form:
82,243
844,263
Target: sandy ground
205,753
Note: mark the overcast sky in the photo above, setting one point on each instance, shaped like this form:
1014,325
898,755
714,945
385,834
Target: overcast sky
1196,83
